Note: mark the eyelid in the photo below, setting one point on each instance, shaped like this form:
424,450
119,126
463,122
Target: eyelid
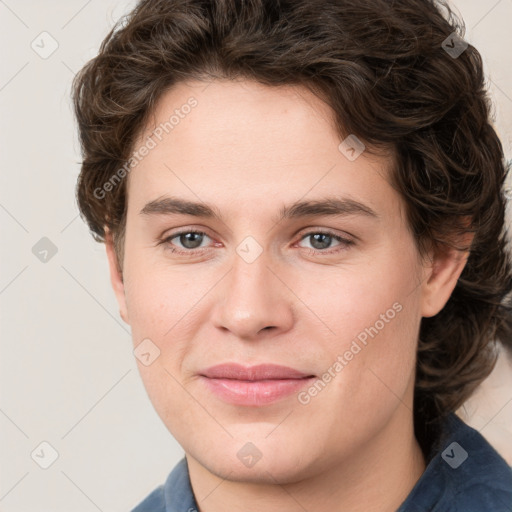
327,231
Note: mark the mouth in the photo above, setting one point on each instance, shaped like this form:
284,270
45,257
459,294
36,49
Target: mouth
255,385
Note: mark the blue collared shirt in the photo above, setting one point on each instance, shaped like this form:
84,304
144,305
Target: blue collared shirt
465,475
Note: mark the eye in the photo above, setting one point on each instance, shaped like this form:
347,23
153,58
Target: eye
322,240
190,240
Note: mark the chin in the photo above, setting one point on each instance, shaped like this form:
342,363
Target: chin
259,462
269,471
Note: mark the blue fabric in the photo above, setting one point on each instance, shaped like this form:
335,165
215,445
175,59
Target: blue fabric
174,496
481,483
465,474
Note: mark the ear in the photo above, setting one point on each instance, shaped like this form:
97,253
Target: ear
116,278
446,266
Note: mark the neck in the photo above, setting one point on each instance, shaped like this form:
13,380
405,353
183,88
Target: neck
377,478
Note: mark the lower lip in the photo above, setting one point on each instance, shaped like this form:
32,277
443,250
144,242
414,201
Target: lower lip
255,393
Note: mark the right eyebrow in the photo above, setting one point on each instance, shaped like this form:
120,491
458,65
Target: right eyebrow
172,205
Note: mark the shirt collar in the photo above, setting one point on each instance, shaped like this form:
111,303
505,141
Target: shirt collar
177,490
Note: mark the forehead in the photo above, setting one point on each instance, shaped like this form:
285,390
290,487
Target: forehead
242,113
244,141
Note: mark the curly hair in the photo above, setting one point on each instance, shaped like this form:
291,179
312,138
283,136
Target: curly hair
385,70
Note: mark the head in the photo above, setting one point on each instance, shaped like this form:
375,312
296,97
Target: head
388,286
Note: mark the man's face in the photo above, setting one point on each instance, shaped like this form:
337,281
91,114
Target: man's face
256,289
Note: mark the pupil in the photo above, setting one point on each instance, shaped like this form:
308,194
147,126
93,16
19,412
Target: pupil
322,245
188,240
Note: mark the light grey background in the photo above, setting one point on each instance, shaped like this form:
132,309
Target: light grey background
68,374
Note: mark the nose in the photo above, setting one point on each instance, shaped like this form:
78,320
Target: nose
253,300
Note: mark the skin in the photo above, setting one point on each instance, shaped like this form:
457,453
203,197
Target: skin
249,149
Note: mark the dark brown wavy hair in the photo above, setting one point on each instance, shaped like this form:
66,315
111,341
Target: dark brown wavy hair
384,70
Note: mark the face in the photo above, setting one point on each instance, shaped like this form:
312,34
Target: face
333,289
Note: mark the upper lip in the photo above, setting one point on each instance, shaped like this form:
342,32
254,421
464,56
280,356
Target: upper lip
258,372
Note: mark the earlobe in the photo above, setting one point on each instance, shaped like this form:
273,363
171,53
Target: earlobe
441,278
116,277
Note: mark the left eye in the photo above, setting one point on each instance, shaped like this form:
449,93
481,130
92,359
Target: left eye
321,240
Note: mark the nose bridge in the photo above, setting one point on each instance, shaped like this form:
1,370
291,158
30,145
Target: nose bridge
250,277
252,297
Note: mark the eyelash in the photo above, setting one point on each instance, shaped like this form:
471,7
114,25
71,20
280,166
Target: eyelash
344,241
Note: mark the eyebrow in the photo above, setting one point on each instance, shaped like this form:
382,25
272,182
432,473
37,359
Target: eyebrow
329,206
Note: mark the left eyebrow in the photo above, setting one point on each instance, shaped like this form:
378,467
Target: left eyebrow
329,206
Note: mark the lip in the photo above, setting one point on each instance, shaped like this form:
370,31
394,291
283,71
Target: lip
254,385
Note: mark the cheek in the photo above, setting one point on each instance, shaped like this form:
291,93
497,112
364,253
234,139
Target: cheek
373,319
164,306
160,307
158,298
358,301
